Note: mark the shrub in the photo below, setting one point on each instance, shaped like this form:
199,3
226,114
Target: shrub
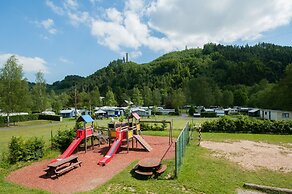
50,117
63,139
247,125
25,150
192,110
155,127
208,114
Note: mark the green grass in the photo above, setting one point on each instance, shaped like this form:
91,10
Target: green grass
285,140
200,173
43,131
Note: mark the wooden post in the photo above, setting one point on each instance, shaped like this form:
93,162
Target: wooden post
127,141
85,143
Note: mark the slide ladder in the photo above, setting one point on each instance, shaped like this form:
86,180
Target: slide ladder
142,141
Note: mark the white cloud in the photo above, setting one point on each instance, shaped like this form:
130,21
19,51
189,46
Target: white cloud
165,25
56,9
77,18
71,4
216,21
64,60
48,25
29,64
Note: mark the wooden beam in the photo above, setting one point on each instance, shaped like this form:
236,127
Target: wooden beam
267,188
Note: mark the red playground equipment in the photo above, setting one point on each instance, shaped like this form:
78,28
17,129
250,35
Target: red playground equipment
80,135
124,131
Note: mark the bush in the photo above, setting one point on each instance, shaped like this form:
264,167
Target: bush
63,139
192,110
247,125
155,127
25,150
50,117
18,118
208,114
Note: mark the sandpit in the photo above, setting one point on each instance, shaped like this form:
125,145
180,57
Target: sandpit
253,155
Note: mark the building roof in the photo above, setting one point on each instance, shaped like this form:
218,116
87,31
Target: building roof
100,112
66,111
85,118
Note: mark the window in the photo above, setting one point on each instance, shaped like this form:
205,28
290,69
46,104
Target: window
285,115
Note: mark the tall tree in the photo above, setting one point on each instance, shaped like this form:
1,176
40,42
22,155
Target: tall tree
40,100
147,96
156,97
240,96
14,94
110,98
227,98
95,97
137,97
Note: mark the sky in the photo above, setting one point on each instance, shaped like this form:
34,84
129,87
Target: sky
78,37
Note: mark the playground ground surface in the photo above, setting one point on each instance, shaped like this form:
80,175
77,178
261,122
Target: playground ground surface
89,175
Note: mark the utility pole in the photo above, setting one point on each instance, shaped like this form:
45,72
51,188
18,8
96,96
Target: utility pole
75,102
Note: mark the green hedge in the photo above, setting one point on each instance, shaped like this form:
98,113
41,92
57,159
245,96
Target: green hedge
208,114
25,150
247,125
50,117
30,117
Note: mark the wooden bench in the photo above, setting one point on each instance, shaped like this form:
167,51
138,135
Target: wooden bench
162,168
61,166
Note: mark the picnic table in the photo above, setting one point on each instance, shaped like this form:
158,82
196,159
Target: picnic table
63,165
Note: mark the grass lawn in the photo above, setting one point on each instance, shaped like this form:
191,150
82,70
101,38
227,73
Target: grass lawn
200,173
285,140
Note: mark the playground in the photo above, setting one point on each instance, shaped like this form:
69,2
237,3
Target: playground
206,170
89,175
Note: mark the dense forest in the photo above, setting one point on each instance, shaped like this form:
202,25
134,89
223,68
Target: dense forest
215,75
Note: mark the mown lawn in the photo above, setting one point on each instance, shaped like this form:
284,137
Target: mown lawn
200,173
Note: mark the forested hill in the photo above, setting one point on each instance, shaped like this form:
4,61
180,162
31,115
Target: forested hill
214,75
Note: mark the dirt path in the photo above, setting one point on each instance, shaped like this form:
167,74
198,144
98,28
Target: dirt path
90,175
253,155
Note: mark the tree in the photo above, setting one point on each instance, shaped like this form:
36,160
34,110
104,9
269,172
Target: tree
147,96
201,91
39,97
14,94
156,97
110,98
95,97
178,99
137,97
240,96
227,98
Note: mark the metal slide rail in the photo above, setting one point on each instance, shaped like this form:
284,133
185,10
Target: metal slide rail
180,145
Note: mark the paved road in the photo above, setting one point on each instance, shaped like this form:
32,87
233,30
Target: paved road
34,126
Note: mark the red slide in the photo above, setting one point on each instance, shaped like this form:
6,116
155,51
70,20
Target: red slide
107,158
80,135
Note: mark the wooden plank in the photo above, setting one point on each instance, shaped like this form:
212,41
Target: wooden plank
143,142
73,165
63,161
161,169
143,173
268,188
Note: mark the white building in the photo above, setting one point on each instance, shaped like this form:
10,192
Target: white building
275,114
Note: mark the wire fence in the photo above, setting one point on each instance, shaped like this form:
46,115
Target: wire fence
180,146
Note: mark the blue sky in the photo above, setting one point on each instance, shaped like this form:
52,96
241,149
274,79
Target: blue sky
74,37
